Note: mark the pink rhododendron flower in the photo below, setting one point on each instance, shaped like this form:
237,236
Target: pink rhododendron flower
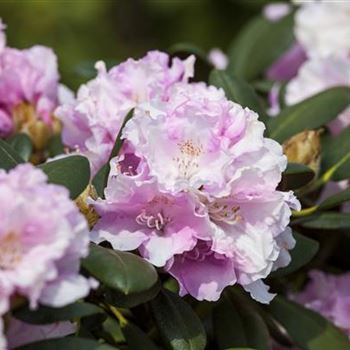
322,27
91,123
28,77
20,333
317,75
43,236
218,59
195,192
328,295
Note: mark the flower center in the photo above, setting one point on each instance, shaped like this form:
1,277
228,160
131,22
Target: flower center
153,216
199,253
224,213
187,161
151,221
10,251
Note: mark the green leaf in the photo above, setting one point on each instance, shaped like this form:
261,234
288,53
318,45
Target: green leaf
9,158
137,339
326,221
238,324
119,141
335,200
296,176
178,324
67,343
308,329
311,113
46,315
73,172
22,144
237,90
101,178
55,146
132,279
336,156
259,44
303,252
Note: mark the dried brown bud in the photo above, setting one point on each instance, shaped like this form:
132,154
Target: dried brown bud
26,121
304,148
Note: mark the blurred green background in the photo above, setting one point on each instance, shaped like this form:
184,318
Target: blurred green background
83,31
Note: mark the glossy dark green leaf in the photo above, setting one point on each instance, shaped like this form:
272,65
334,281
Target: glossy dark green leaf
326,221
237,324
296,176
9,158
178,324
72,172
335,200
101,178
22,144
336,156
55,146
46,315
308,329
311,113
131,277
237,90
67,343
259,44
303,252
112,329
137,339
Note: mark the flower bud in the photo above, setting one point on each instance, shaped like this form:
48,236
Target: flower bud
304,148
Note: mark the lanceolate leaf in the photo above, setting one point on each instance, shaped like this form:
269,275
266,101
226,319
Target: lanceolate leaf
305,249
296,176
326,221
9,158
335,200
72,172
101,178
137,339
125,273
22,144
178,324
308,329
68,343
238,324
259,44
46,315
336,156
311,113
237,90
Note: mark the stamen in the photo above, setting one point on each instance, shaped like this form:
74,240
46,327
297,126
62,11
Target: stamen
151,221
224,213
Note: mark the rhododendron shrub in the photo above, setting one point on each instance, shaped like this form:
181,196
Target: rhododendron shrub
182,203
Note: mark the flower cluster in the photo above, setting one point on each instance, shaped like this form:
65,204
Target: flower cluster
194,188
29,91
42,239
92,121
